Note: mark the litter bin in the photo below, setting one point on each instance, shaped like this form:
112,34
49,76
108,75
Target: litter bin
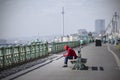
98,42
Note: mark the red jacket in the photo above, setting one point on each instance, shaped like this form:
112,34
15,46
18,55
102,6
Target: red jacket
70,52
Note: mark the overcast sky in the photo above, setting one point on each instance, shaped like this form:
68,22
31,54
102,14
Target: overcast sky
27,18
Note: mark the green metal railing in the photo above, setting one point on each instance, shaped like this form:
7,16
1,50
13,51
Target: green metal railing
18,54
57,47
13,55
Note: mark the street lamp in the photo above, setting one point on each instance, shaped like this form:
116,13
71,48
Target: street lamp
63,19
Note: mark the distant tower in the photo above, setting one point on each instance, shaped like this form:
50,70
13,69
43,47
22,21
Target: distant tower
115,22
100,26
63,18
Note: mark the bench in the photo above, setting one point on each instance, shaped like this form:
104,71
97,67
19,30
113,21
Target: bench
79,63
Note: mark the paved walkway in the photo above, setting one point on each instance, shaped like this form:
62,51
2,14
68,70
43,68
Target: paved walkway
115,50
24,67
52,69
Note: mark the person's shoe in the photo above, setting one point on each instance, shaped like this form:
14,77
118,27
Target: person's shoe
71,62
65,65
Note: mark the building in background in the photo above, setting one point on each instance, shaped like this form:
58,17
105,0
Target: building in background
82,32
73,37
83,36
62,39
100,26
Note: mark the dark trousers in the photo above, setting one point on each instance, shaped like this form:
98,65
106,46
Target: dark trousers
66,59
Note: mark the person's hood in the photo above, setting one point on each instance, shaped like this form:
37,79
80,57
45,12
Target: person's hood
66,47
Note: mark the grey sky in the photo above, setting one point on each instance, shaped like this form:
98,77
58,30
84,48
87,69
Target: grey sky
26,18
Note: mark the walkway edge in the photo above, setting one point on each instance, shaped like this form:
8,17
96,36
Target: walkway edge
12,77
115,56
16,75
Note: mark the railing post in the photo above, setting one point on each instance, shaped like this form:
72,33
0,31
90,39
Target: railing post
30,51
19,54
25,51
52,48
12,57
46,48
35,49
40,49
1,58
3,54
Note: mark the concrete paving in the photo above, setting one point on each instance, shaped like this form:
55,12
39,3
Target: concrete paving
97,58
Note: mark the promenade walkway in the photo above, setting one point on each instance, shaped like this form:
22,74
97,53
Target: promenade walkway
51,68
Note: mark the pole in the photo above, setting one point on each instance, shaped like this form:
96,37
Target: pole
115,16
63,19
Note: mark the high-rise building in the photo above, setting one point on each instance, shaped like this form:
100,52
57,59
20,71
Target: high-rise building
100,26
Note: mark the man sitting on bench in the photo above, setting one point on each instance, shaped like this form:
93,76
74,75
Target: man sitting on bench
69,55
